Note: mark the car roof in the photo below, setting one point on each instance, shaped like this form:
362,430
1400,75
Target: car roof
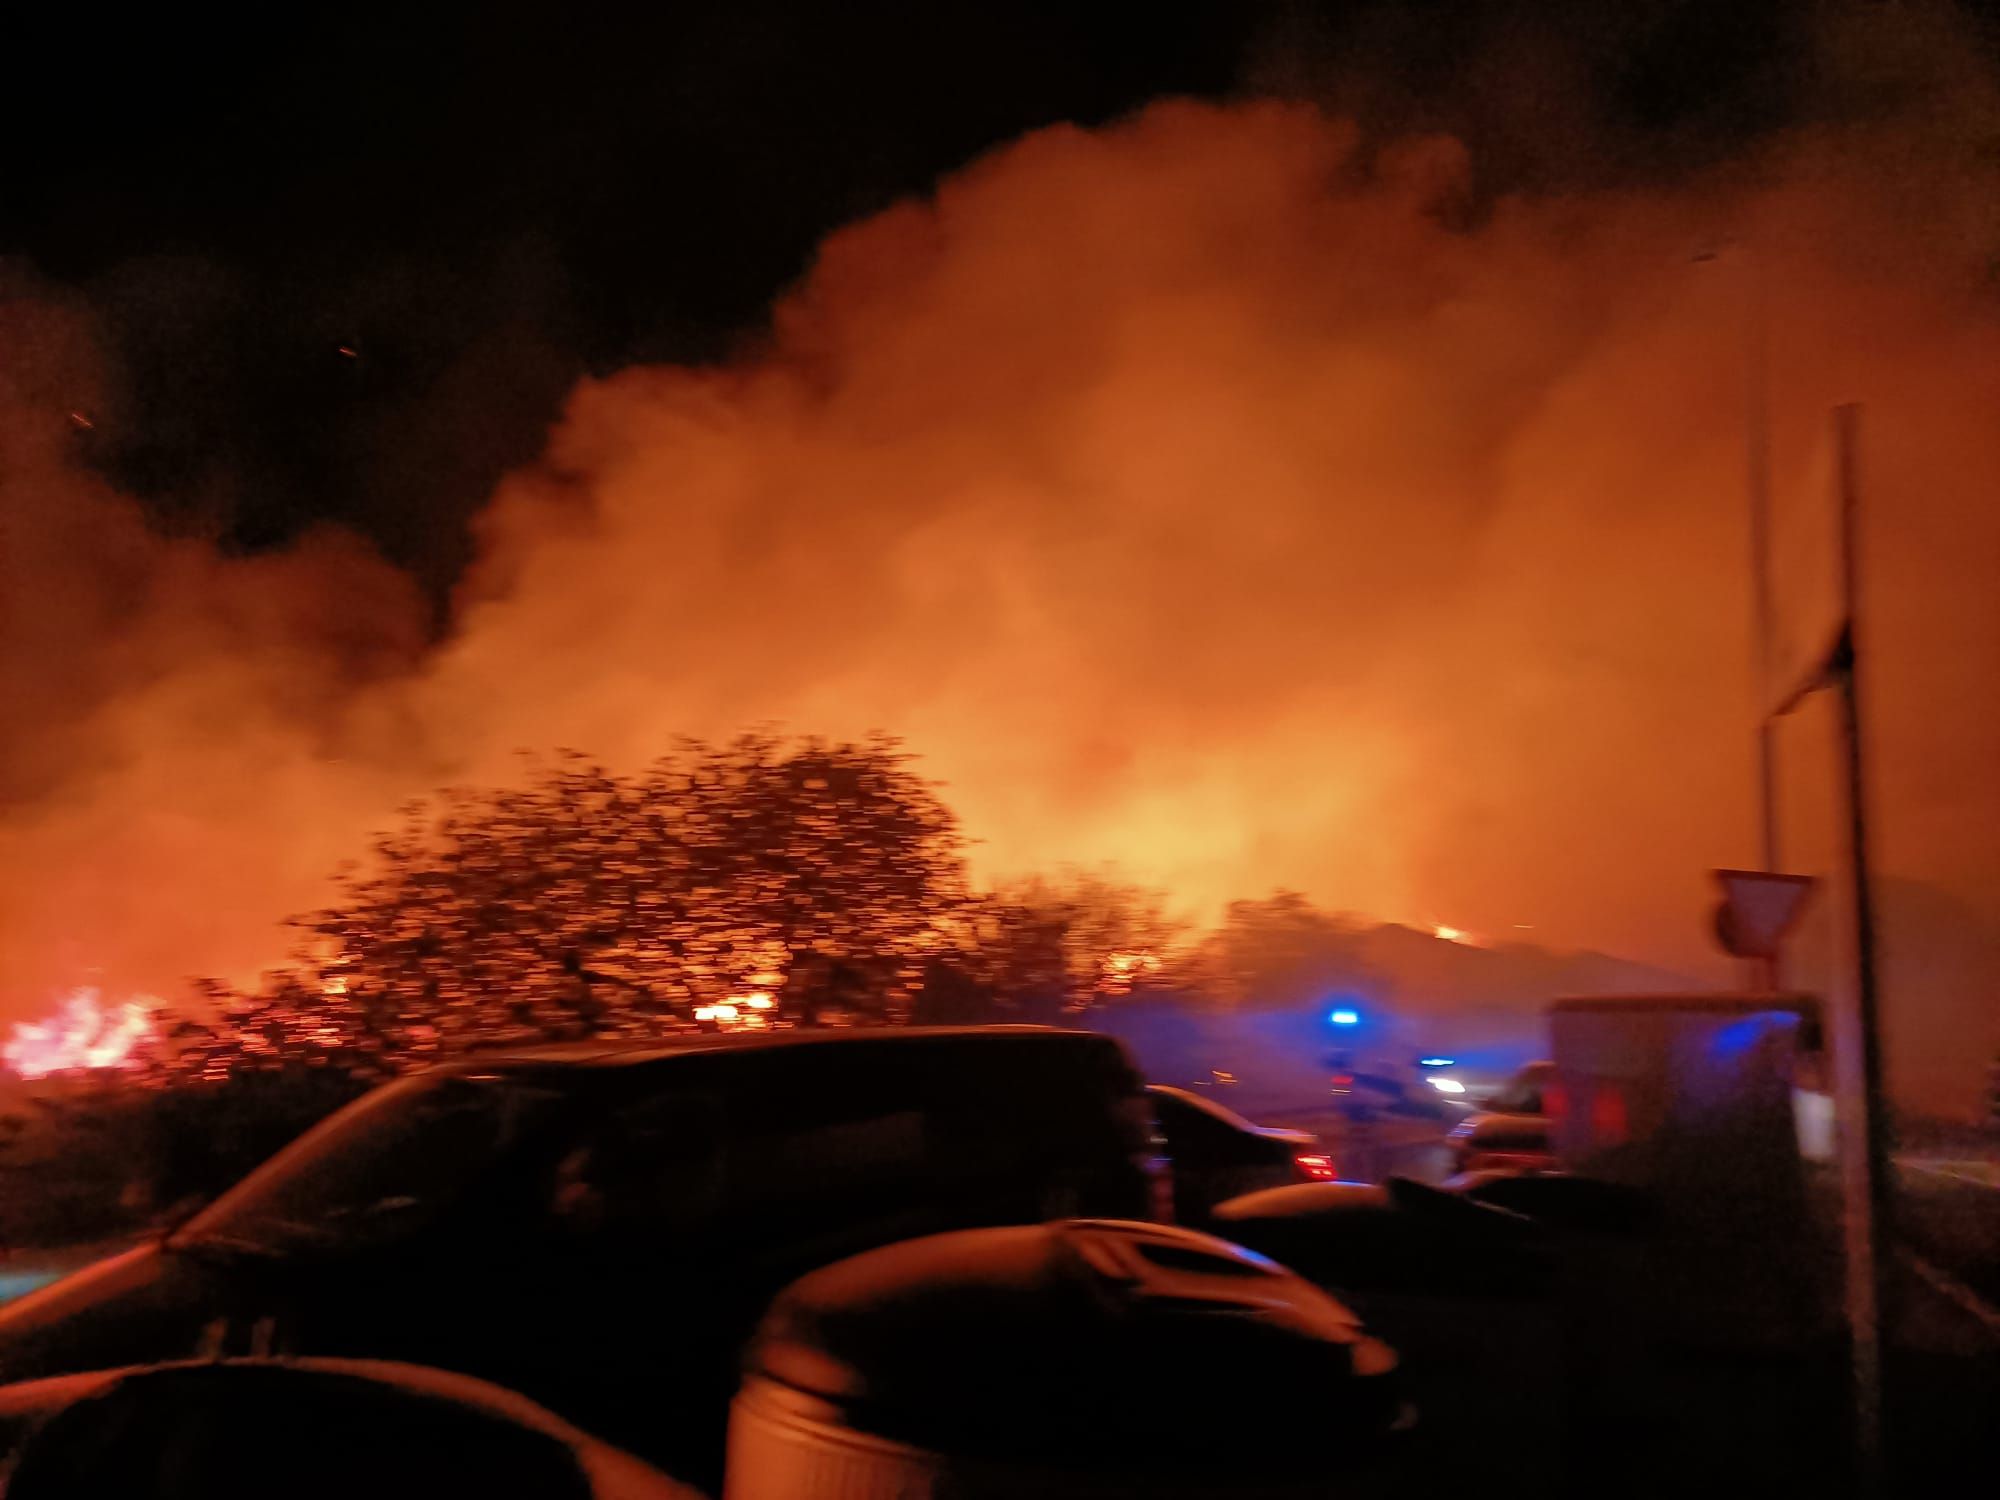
624,1053
1195,1101
1222,1113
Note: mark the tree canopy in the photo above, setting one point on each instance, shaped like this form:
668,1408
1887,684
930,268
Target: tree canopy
758,876
763,881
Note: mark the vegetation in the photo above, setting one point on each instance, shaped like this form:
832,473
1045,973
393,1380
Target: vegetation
756,883
761,882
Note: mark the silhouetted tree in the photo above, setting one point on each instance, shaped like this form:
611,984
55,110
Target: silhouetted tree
1280,948
1047,949
792,879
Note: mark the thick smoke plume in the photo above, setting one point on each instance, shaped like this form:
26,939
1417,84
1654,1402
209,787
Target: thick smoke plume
1210,494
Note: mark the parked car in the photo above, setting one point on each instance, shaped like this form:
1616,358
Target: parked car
598,1226
1505,1143
1215,1153
305,1429
1511,1132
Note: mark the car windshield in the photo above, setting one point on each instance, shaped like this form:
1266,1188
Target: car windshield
372,1172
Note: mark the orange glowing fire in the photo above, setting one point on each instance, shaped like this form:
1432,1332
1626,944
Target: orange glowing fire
82,1034
1455,935
739,1012
1120,971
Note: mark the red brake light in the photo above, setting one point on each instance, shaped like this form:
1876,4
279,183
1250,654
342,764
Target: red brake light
1316,1166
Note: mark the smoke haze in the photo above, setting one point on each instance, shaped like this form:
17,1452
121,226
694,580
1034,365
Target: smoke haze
1220,494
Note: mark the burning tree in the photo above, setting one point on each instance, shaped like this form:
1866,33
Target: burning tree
1044,949
731,883
759,882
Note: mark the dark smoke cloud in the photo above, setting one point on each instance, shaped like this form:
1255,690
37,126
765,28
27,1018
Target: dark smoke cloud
173,761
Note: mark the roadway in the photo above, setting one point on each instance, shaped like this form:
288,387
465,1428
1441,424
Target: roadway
1948,1214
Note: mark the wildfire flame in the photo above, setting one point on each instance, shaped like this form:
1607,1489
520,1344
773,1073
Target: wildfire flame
81,1034
1455,935
1120,971
730,1014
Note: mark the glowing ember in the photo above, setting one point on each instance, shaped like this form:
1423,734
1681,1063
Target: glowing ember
1454,935
82,1034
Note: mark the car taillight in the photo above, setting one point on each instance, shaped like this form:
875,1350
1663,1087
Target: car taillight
1315,1166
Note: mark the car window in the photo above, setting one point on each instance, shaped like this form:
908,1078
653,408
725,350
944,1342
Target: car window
1501,1133
655,1165
1023,1104
792,1162
763,1147
1522,1094
392,1160
1515,1099
1191,1128
826,1158
1044,1127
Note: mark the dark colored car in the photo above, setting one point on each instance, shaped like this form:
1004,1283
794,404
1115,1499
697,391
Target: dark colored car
598,1226
1217,1154
306,1429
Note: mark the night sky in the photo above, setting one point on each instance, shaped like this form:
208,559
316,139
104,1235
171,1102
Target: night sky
482,203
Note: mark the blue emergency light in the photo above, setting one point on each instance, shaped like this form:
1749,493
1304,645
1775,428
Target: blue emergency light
1342,1016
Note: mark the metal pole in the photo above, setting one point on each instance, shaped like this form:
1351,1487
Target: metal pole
1757,464
1864,1162
1764,973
